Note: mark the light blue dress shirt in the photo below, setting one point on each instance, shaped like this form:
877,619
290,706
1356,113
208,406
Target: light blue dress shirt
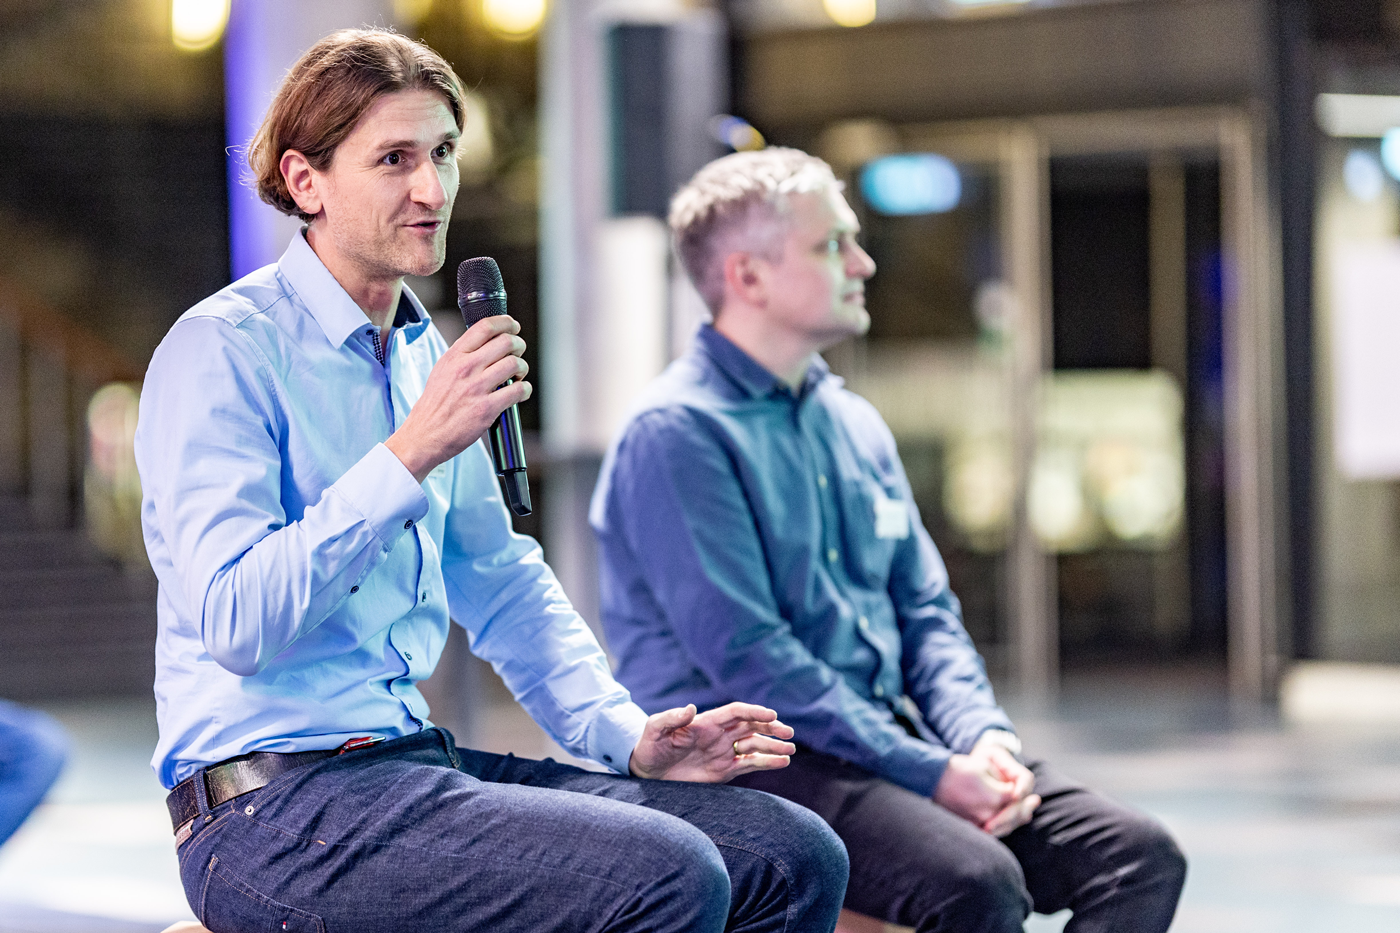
306,579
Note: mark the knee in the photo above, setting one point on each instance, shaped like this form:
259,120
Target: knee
43,747
686,868
987,890
1154,855
811,850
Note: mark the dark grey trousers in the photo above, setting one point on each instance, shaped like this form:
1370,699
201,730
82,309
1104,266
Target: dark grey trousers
916,864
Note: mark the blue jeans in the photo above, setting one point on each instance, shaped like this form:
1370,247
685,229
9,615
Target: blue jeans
32,749
418,836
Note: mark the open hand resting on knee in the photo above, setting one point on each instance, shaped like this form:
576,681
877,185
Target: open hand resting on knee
988,787
713,746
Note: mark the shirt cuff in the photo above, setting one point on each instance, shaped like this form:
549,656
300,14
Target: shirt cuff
384,492
615,734
915,765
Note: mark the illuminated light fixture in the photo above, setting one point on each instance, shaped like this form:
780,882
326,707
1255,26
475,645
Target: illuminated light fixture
911,183
986,3
736,133
195,25
850,12
1363,176
513,19
1361,116
1390,152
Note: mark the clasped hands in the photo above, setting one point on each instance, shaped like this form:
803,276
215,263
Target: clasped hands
713,746
989,788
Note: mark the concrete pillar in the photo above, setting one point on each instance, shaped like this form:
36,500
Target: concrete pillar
605,324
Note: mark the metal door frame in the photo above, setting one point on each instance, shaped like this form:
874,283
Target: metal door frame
1252,353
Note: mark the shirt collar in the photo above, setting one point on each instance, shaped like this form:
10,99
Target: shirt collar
328,301
746,372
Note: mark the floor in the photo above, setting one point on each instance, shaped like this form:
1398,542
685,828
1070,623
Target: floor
1288,829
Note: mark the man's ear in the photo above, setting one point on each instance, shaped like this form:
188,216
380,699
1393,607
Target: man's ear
302,181
745,278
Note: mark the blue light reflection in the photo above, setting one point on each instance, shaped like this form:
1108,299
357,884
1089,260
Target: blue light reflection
911,183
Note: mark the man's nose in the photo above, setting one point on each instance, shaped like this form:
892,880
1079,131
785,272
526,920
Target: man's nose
859,265
428,188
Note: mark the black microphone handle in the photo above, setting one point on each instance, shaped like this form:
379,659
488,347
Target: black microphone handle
508,458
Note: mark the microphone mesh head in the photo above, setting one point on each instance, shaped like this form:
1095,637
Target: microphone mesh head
480,291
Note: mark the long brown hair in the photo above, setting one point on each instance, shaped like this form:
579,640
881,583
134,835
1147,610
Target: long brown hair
329,89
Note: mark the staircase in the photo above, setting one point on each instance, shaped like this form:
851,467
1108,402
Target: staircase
73,623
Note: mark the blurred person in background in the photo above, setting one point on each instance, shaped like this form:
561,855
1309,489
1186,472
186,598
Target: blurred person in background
316,505
33,747
759,539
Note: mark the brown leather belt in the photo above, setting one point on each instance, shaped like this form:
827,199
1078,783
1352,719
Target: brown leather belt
243,775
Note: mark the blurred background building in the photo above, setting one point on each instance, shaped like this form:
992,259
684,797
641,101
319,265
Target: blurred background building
1131,324
1136,319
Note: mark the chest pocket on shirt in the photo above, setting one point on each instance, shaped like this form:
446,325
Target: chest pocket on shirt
875,523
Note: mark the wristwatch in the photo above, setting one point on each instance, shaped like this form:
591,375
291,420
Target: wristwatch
1007,740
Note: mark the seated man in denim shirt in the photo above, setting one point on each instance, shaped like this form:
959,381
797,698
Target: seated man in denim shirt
759,539
316,504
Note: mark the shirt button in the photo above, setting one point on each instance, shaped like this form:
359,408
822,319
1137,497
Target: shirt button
864,624
821,480
879,691
425,596
408,656
608,758
831,555
408,524
354,589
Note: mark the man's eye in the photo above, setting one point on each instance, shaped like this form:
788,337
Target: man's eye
832,246
442,152
393,158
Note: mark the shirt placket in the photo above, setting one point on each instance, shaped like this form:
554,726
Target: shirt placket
402,629
828,474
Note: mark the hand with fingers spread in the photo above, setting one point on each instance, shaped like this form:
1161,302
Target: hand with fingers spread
713,746
464,395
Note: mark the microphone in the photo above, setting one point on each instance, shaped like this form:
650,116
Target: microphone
482,294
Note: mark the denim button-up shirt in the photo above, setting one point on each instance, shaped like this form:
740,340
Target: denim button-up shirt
306,578
762,544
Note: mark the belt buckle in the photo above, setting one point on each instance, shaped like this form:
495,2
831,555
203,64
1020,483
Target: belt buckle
359,742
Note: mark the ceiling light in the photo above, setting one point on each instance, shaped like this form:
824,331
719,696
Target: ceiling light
850,12
195,25
513,19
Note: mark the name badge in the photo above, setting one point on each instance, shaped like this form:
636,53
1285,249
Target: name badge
891,517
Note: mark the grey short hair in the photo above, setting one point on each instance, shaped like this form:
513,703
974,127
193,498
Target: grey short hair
738,203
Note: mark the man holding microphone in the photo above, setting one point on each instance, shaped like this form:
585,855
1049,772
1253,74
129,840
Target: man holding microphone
315,507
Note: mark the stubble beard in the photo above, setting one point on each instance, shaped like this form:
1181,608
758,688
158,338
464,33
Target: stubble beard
391,257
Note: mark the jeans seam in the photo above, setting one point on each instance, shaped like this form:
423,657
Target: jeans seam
258,897
183,852
777,863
